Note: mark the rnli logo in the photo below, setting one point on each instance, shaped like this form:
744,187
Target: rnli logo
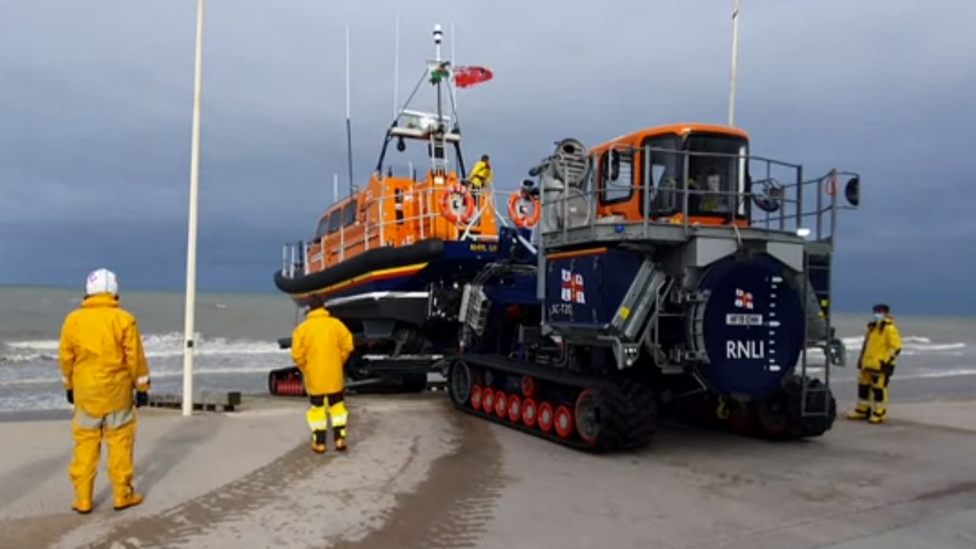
743,299
573,290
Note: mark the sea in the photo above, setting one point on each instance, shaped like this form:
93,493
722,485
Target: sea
236,346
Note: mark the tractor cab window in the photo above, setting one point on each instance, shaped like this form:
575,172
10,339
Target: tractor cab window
662,174
715,173
616,178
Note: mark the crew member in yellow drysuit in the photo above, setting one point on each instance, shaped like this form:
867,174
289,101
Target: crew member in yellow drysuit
102,363
481,175
882,344
320,346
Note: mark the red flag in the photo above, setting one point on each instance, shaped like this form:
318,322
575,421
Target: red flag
465,77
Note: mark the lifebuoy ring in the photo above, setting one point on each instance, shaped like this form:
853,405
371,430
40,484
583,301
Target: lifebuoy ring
446,207
520,219
831,186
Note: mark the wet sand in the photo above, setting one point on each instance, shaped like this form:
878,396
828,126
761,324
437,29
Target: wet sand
421,475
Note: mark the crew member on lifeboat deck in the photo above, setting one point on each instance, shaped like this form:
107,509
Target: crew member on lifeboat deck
882,344
320,346
481,175
102,363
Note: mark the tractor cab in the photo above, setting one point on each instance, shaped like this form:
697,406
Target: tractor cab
666,173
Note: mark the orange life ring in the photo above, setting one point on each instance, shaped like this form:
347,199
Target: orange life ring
520,219
448,212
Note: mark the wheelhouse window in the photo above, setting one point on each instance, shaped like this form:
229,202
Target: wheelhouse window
349,214
322,229
335,221
716,168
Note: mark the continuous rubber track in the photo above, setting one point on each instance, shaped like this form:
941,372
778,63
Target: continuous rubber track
627,410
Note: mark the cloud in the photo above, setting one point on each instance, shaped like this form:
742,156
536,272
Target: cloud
96,103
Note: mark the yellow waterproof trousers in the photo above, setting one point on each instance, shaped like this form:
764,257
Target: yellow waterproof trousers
119,432
318,416
872,395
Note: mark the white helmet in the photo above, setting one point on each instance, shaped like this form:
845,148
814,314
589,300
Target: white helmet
102,281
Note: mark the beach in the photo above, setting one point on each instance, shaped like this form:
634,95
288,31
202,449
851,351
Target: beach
420,474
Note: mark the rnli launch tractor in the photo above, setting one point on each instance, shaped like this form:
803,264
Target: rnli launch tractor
672,272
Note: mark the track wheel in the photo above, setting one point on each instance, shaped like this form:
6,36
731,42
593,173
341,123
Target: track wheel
742,417
476,396
514,408
528,387
501,404
588,420
459,381
618,416
272,383
488,401
773,417
529,412
545,417
564,422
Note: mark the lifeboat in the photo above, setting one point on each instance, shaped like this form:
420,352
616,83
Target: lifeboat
390,259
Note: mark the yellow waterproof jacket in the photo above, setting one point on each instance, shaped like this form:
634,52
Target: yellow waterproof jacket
320,346
882,343
481,175
102,358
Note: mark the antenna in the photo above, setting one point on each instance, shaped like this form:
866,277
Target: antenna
396,67
349,118
438,38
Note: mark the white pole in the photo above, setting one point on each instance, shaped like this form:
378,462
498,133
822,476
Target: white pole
396,67
191,243
735,59
335,188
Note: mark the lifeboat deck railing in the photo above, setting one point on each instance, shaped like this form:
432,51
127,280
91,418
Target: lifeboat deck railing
416,215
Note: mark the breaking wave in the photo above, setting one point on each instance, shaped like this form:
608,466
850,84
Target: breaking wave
912,345
156,346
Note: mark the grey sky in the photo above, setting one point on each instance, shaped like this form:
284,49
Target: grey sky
95,104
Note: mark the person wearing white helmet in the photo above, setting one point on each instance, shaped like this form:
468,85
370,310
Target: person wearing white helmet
103,362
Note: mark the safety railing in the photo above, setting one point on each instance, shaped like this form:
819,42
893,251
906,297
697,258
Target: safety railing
753,192
402,219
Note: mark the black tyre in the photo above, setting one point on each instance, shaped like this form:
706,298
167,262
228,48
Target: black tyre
460,382
616,417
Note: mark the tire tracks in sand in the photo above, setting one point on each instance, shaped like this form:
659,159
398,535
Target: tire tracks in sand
230,501
449,509
452,507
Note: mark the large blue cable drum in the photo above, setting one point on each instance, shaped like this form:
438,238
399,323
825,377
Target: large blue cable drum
749,330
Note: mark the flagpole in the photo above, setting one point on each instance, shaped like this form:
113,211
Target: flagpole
191,244
735,59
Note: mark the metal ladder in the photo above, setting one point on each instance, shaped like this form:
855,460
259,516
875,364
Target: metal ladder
814,402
